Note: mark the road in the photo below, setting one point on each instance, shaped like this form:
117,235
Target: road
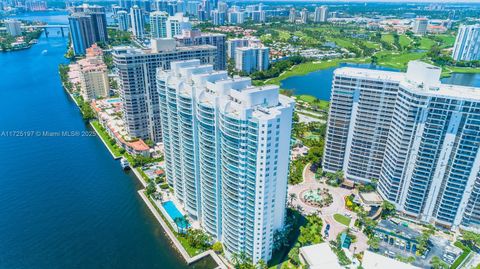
337,207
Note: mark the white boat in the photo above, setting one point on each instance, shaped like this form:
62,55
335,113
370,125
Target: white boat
44,52
124,163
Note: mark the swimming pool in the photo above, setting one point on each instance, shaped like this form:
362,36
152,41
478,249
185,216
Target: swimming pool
175,215
114,100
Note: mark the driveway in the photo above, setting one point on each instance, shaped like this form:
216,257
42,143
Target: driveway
326,213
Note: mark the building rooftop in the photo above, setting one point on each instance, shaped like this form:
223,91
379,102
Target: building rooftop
373,260
420,77
320,256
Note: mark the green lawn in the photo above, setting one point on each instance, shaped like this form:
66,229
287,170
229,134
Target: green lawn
447,70
313,101
404,40
462,257
372,45
426,43
305,68
388,38
342,219
341,42
106,138
190,250
280,257
283,36
399,60
447,40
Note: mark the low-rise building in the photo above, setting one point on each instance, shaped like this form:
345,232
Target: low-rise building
372,260
397,234
109,115
319,256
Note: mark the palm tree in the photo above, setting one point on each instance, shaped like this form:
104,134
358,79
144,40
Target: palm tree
292,197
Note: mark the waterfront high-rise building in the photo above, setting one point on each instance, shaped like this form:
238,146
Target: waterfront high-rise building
467,44
196,37
35,5
177,24
227,153
251,59
88,25
14,27
81,32
123,20
138,22
233,44
304,15
292,16
158,24
420,26
321,14
98,18
136,69
420,138
93,76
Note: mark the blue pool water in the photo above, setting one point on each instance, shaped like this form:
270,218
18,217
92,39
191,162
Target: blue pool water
114,100
174,213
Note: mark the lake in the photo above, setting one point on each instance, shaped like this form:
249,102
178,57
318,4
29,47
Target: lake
319,83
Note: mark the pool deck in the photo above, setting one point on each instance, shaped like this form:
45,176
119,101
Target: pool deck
221,262
175,241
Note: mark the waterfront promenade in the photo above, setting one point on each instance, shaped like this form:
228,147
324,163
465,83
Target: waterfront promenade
189,260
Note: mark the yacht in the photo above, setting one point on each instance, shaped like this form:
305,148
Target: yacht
124,163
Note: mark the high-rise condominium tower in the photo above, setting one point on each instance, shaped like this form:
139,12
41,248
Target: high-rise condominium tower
227,153
467,44
292,16
195,37
420,26
419,137
136,69
158,24
138,22
88,25
123,20
321,14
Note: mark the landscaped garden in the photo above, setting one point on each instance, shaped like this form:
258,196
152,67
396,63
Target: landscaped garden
317,197
342,219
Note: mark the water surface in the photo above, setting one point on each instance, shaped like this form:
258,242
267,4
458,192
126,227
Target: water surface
319,83
64,201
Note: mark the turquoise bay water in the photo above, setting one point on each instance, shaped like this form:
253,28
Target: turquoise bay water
319,83
64,201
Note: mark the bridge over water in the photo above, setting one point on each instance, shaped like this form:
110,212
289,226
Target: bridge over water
45,27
